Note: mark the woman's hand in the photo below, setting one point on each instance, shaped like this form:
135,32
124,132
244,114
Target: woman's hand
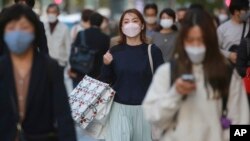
233,57
184,87
72,74
107,58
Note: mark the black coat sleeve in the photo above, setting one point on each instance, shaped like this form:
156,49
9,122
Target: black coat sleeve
66,129
1,49
107,71
242,59
42,41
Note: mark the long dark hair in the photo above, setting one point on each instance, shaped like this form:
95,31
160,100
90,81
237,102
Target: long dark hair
170,12
143,31
214,64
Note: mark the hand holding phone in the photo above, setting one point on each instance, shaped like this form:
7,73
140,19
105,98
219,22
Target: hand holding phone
185,84
188,78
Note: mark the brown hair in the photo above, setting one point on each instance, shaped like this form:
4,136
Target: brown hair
143,32
215,67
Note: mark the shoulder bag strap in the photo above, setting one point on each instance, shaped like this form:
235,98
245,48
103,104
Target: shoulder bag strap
150,58
248,50
244,30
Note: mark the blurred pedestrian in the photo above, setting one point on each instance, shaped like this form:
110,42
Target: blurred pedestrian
84,23
180,14
165,39
95,41
127,67
105,26
223,15
150,14
234,30
33,99
58,36
42,42
243,63
198,95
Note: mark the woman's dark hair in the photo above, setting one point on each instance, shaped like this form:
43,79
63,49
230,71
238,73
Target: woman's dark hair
143,31
196,6
30,3
151,6
86,13
214,65
238,5
96,19
216,20
170,13
16,12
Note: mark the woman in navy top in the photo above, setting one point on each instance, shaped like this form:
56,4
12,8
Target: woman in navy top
127,67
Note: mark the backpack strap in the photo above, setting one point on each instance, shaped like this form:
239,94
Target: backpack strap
82,38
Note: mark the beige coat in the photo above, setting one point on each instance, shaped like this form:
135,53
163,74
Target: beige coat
198,116
59,43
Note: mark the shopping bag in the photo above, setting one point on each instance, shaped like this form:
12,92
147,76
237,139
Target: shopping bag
89,100
97,128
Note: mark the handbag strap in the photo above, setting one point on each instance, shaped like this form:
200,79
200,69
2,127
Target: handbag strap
244,30
248,49
150,58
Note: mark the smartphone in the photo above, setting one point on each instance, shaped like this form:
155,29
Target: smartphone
188,77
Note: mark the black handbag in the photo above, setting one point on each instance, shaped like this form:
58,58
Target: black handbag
82,58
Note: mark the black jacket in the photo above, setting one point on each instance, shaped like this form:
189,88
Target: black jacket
41,43
243,58
96,40
47,108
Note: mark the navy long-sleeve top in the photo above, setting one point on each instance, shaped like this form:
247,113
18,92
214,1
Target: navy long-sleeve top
130,73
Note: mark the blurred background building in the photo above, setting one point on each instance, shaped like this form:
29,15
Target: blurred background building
112,9
116,6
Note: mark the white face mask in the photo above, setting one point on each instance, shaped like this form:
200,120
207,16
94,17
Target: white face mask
52,18
131,29
151,20
223,17
196,54
166,23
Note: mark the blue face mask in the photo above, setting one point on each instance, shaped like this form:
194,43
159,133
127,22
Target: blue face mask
18,41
